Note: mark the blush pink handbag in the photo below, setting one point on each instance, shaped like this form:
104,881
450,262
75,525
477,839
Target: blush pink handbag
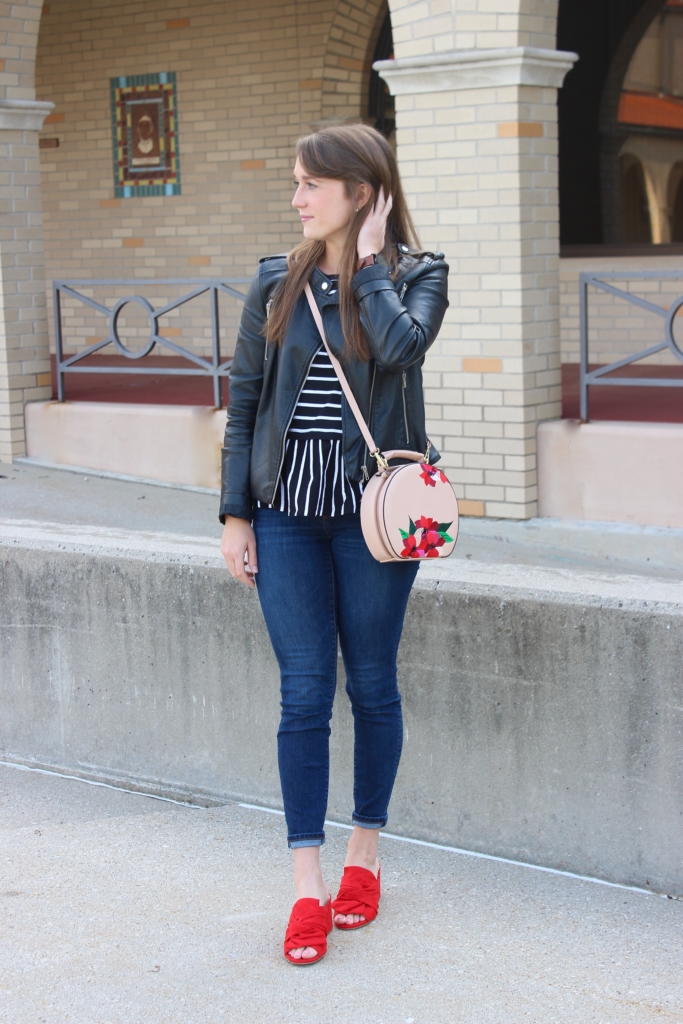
407,511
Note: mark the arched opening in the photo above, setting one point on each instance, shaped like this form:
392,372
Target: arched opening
624,95
636,226
381,110
676,202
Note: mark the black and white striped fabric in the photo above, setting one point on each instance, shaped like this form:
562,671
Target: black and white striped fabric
313,481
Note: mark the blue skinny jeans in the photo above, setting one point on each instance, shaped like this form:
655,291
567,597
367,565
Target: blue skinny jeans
317,581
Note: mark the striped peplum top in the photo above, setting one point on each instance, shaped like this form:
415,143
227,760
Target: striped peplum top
313,480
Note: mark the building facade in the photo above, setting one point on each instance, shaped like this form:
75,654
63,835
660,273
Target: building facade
473,112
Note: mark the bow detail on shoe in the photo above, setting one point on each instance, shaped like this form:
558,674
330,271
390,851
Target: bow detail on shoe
309,925
359,893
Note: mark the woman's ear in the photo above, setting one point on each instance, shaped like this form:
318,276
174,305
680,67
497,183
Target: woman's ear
363,194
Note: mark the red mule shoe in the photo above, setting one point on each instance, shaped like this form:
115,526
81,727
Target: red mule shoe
358,894
309,925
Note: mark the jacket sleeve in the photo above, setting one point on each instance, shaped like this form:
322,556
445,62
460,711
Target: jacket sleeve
246,382
400,332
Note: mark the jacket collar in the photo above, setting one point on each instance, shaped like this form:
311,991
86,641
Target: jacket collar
321,286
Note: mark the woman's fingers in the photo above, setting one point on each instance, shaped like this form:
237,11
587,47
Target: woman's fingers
252,561
383,206
237,543
242,572
373,230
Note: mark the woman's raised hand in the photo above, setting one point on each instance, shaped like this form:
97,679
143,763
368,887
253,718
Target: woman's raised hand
371,234
239,540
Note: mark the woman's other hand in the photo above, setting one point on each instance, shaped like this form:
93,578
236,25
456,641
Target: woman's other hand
239,540
371,234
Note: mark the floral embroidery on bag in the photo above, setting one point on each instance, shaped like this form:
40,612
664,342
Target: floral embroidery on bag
434,536
430,473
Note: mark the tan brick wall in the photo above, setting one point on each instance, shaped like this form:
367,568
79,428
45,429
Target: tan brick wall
251,77
18,35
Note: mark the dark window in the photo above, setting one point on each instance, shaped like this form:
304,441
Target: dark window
380,101
677,211
592,111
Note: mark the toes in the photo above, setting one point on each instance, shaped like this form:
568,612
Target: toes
303,953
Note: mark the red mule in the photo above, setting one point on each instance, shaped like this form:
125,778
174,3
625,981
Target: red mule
309,925
358,894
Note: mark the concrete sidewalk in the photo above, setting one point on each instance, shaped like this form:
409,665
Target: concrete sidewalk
121,909
35,493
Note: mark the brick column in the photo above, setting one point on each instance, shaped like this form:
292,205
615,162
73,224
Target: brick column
24,351
477,147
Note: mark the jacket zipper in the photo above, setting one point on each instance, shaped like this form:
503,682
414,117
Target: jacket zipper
366,475
405,411
268,305
404,289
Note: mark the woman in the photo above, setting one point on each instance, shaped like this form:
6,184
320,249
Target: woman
294,466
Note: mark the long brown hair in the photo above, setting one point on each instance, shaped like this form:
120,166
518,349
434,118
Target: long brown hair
352,153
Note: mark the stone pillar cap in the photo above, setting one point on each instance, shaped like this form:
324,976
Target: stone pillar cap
476,69
24,115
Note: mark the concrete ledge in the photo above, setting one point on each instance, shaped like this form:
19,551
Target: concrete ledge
616,472
543,706
172,443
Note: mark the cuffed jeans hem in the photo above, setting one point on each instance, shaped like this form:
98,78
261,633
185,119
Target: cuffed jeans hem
369,822
298,842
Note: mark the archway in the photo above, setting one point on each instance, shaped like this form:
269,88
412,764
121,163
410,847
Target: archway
347,63
605,34
635,217
381,108
639,111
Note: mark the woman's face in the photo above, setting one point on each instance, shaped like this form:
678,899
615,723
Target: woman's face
325,208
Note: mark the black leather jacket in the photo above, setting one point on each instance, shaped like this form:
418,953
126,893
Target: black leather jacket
401,319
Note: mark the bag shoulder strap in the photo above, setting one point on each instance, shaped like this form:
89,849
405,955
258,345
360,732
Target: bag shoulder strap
345,386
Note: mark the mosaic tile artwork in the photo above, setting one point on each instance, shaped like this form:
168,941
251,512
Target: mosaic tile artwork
145,135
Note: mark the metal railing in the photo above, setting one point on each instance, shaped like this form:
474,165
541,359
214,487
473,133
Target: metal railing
216,367
599,376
